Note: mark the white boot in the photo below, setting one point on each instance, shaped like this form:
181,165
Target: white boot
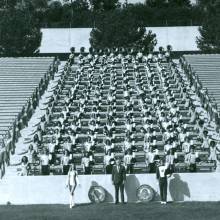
70,202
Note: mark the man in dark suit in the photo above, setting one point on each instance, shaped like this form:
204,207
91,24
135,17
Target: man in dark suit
118,179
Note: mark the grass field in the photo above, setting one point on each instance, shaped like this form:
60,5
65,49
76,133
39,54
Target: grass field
148,211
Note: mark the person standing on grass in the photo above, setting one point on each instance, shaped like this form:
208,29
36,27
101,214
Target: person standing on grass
118,180
72,182
162,173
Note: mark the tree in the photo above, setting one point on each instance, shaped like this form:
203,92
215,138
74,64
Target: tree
171,3
156,3
105,5
179,3
54,12
8,3
36,4
19,33
209,40
120,29
147,42
204,3
80,5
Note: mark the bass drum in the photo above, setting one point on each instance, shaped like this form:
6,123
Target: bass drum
97,194
145,193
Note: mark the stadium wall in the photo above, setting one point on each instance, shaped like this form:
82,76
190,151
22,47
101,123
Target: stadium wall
65,56
51,189
59,40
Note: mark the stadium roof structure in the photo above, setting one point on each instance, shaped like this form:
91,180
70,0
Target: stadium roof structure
59,40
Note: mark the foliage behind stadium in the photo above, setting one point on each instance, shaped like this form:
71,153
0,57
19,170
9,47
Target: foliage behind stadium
21,21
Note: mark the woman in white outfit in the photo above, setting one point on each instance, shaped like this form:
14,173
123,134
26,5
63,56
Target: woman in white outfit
72,182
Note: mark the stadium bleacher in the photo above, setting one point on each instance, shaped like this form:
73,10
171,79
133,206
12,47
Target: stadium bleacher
22,81
124,104
205,67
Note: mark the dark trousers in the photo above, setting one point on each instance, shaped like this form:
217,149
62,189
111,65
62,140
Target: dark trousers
152,168
192,168
117,187
88,170
163,188
108,169
45,170
130,168
66,169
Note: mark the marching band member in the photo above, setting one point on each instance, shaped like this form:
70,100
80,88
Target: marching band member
191,158
162,173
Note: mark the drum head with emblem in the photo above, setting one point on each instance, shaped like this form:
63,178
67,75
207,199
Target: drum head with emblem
96,194
145,193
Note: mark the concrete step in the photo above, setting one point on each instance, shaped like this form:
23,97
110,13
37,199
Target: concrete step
21,146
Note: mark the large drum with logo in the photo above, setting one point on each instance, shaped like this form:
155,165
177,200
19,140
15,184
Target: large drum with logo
145,193
96,194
